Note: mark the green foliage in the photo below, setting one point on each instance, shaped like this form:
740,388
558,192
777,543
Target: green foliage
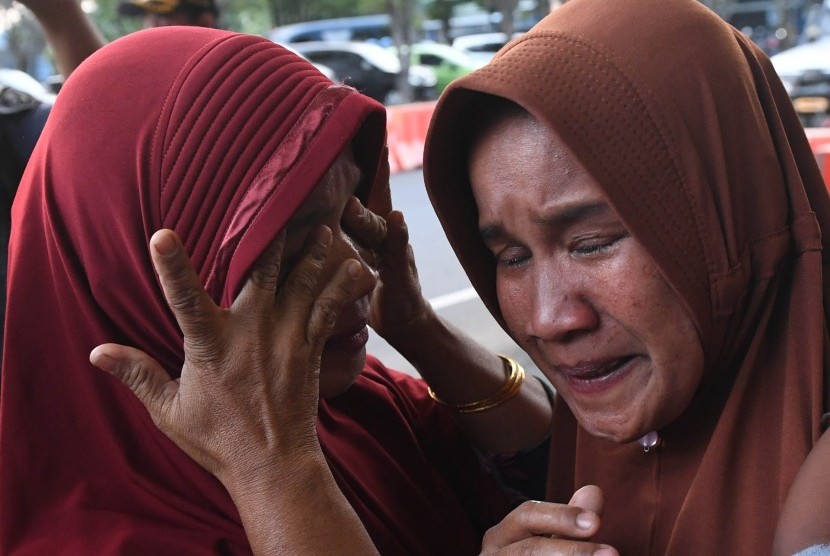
110,23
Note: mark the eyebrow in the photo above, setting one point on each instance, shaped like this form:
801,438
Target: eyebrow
560,219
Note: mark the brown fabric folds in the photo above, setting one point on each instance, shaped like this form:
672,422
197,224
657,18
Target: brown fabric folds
684,123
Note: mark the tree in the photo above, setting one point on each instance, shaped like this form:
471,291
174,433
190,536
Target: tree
442,10
402,13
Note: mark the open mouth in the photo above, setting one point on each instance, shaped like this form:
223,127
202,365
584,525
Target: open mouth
592,377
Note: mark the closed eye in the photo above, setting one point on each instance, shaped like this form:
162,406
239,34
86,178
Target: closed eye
596,246
512,257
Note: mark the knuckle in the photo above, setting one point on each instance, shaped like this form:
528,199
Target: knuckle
138,378
490,541
526,510
303,283
328,313
184,297
266,276
529,548
134,375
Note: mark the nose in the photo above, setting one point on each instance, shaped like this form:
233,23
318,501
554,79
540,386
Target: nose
560,309
342,248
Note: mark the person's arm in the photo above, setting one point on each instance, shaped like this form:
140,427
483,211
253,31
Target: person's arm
458,369
70,33
258,436
805,517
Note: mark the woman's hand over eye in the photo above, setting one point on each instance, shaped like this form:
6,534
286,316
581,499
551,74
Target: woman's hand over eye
397,302
248,391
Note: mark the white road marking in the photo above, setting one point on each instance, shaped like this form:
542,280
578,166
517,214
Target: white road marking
453,298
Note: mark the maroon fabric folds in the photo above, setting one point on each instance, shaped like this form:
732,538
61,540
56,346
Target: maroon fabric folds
685,125
407,468
219,136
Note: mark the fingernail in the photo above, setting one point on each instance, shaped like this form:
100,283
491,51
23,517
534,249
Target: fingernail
102,360
605,551
585,520
166,245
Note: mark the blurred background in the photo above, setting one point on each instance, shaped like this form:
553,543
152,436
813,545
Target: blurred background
402,53
460,34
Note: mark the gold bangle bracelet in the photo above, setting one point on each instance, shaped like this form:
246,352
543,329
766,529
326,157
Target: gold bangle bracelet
515,376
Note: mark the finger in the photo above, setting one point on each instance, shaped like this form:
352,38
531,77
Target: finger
142,374
364,224
544,546
259,292
300,290
543,518
397,252
327,308
191,305
589,498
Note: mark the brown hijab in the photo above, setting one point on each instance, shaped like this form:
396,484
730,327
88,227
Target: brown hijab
684,123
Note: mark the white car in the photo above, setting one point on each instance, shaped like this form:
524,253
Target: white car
482,46
369,68
794,62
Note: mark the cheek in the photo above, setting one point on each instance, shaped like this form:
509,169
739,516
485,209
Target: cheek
658,316
514,302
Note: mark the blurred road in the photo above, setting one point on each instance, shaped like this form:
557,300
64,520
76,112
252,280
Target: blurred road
442,279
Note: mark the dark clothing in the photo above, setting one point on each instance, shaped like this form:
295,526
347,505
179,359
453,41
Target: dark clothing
19,131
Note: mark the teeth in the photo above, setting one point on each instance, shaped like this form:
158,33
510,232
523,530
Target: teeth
602,371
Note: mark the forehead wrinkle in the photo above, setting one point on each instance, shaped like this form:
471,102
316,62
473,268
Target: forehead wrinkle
567,215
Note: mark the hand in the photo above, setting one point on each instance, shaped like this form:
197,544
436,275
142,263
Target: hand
547,529
248,392
397,302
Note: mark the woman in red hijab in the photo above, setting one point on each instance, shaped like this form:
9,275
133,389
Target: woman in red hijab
641,211
251,157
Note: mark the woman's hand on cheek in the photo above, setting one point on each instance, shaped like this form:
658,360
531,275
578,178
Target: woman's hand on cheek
397,302
246,401
548,529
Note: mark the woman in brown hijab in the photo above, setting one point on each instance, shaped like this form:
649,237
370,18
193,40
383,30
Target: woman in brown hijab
642,213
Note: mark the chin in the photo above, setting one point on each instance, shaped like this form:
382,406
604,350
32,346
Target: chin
613,428
339,370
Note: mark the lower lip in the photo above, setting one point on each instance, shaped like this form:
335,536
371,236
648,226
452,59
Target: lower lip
352,342
599,385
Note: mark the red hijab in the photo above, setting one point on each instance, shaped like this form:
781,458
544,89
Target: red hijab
685,125
219,136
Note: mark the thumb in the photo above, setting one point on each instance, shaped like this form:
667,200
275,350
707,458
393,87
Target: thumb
589,498
142,374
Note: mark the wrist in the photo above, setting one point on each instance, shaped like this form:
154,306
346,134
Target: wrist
254,473
414,330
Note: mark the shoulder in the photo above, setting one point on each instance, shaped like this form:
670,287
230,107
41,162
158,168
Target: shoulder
380,390
377,373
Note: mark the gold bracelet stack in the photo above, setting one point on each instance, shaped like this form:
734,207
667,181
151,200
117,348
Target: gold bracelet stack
515,376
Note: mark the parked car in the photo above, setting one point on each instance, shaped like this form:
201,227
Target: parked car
447,62
805,72
369,68
359,28
322,68
482,46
